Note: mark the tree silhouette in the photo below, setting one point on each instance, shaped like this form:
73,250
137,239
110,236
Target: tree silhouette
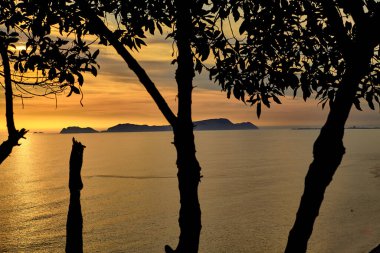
327,47
187,163
285,44
7,10
34,63
187,23
13,135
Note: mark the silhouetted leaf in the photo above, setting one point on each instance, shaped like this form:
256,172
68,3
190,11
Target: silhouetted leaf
118,33
198,66
357,104
275,99
94,71
237,93
70,78
243,27
96,53
258,109
12,40
75,89
52,73
139,42
80,79
369,99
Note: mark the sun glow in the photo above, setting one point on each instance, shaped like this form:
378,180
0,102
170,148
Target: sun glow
20,47
116,96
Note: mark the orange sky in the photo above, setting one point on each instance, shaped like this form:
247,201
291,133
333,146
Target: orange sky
116,96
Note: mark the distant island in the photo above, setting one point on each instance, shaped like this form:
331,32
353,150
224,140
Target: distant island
76,129
222,124
137,128
202,125
350,127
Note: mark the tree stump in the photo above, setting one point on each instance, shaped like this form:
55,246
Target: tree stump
74,225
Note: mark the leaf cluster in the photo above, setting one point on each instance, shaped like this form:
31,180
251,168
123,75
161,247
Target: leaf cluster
261,49
279,45
45,53
131,20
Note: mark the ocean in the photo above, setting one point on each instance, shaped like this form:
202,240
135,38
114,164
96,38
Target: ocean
249,194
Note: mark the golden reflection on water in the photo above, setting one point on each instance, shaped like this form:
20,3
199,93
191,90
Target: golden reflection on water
249,193
31,198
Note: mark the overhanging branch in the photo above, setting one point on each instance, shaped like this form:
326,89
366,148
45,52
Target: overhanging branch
102,30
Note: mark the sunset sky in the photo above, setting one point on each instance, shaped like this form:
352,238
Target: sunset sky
115,96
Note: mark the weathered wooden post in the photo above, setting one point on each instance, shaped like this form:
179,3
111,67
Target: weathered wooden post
74,225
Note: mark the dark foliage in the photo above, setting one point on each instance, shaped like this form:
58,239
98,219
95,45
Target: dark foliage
34,61
329,48
280,45
261,49
44,61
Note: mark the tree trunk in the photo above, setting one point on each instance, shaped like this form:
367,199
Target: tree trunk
328,152
13,135
188,180
8,91
187,163
376,250
7,146
74,225
188,166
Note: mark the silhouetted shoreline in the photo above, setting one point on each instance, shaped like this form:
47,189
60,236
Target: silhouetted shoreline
318,128
202,125
76,129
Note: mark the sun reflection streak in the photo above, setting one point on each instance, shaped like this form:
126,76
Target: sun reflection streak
33,203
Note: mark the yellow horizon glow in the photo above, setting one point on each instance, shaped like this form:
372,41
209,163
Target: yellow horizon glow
116,96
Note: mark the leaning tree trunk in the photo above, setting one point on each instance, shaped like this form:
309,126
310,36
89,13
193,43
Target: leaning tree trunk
328,152
74,225
187,163
13,135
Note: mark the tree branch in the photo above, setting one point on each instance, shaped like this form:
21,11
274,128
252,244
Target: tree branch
7,146
102,30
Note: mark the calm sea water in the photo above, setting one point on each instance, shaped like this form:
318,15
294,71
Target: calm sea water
249,194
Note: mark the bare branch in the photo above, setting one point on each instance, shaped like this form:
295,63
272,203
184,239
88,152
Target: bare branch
102,30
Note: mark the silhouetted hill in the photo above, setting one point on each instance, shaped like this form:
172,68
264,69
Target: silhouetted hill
350,127
209,124
137,128
202,125
75,129
222,124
